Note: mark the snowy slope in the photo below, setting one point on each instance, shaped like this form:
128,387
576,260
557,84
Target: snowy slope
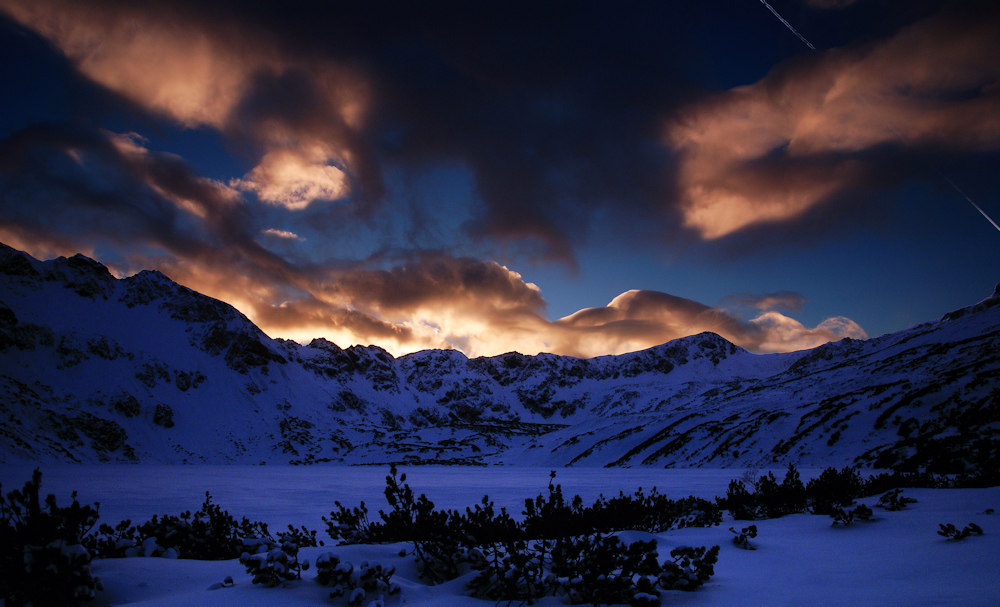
93,368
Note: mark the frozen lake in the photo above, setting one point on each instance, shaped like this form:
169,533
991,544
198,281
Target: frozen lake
300,495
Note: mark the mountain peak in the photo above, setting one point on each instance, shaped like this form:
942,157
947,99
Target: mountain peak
83,275
16,263
989,302
322,343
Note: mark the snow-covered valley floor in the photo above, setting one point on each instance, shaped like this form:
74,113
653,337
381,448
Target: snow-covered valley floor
897,559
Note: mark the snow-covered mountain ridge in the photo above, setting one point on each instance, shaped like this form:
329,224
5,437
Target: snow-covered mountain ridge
141,369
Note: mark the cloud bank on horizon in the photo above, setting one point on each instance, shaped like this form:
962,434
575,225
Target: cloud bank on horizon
336,109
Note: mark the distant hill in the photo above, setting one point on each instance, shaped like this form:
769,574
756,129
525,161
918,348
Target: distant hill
141,369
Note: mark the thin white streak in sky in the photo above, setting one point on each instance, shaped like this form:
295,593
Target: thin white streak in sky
787,24
943,176
972,202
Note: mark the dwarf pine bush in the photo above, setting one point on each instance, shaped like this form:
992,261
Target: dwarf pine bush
561,547
272,565
754,498
742,537
841,516
832,490
950,532
368,580
893,501
43,561
769,498
210,534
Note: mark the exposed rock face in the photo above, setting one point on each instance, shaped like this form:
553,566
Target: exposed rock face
163,416
96,368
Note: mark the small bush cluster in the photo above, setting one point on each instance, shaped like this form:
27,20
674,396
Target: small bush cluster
841,516
45,550
893,501
271,565
769,499
742,537
560,548
210,534
949,531
356,584
689,568
828,494
43,561
833,490
593,569
599,569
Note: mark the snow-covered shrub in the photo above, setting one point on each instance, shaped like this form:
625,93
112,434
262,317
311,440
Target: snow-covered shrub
352,526
778,500
593,568
439,544
690,567
742,537
833,490
516,560
949,531
882,482
565,548
769,499
370,579
552,517
270,565
600,569
211,534
111,542
301,537
597,569
893,501
331,572
741,503
42,559
511,570
654,512
846,517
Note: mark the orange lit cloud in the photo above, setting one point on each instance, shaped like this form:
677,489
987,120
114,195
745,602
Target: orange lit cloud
779,333
773,150
640,319
786,300
288,178
284,234
174,65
